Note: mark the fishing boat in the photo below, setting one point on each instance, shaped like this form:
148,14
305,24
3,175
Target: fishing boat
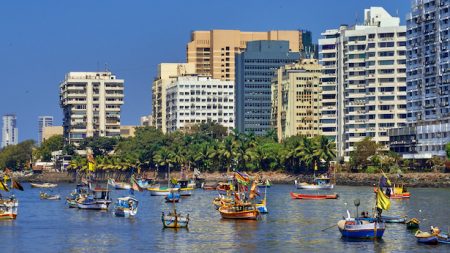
160,191
126,207
174,219
222,188
185,187
313,196
145,183
119,185
43,185
320,183
97,199
265,184
244,211
352,228
262,207
174,196
222,200
209,187
428,237
47,196
8,208
412,223
81,189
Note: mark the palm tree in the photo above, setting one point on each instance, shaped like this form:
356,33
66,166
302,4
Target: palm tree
305,152
226,151
324,149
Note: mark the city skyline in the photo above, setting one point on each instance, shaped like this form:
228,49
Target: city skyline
40,45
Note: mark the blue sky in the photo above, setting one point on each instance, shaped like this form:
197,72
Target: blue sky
40,41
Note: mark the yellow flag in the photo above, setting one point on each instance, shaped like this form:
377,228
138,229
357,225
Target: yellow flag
3,187
383,201
91,162
315,165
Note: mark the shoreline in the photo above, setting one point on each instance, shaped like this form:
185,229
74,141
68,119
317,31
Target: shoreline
426,179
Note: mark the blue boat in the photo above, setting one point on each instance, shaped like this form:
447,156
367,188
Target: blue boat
173,197
444,238
431,237
386,219
360,229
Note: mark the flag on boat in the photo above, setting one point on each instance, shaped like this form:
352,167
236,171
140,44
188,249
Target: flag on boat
3,187
91,162
16,185
383,201
242,178
253,190
134,184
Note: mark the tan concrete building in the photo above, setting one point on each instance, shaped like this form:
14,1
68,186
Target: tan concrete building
166,73
296,99
50,131
127,131
213,51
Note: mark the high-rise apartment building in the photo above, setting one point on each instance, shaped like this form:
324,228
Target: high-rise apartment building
198,99
91,103
10,132
428,79
167,72
296,99
147,120
43,121
213,52
255,68
364,80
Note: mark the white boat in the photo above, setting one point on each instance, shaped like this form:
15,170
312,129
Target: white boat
119,185
43,185
8,208
98,199
44,195
126,207
161,191
174,220
318,184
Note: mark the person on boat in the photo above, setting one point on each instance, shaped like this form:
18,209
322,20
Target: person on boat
365,214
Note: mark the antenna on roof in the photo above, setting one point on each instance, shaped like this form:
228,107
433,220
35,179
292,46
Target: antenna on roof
106,67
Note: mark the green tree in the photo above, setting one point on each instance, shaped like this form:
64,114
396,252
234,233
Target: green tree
324,149
17,157
364,149
54,143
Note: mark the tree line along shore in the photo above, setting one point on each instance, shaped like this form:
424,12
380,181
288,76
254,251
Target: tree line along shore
211,149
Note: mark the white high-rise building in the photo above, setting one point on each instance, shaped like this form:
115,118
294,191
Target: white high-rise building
10,133
194,99
91,102
43,121
167,72
363,80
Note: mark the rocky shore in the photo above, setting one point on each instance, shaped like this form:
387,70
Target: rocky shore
435,180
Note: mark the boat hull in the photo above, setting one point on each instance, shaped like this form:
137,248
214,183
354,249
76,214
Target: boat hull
8,216
313,196
361,231
46,185
98,205
126,213
428,240
314,187
171,221
242,215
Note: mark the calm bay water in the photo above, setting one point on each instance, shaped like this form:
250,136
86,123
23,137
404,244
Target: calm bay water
290,226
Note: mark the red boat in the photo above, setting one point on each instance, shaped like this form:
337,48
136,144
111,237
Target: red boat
397,192
313,196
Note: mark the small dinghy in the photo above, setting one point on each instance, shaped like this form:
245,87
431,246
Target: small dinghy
126,207
360,229
174,219
47,196
313,196
44,185
428,237
174,196
412,223
119,185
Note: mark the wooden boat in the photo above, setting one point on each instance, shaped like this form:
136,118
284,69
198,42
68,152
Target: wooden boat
44,185
265,184
97,199
160,191
174,196
145,183
361,229
126,207
320,183
209,187
221,200
81,189
222,188
427,237
412,223
119,185
44,195
174,220
313,196
239,211
8,208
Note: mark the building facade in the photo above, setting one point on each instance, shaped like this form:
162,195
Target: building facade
363,81
50,131
10,132
213,52
167,72
197,99
296,99
428,75
43,121
255,68
147,120
91,102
